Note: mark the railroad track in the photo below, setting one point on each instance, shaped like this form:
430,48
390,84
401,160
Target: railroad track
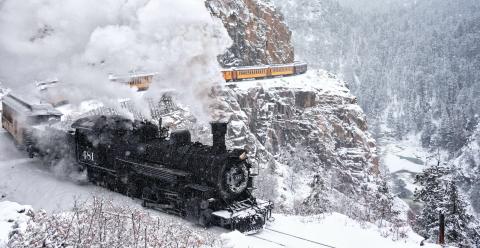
272,236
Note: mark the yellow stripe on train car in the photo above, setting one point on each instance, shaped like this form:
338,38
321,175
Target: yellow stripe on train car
280,71
251,73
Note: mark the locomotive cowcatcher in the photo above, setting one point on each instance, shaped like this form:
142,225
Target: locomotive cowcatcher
209,185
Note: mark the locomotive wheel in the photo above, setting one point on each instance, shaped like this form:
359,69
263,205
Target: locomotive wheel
110,182
205,218
91,175
134,188
120,187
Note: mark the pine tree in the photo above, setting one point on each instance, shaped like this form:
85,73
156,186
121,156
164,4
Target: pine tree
431,195
384,203
457,220
439,195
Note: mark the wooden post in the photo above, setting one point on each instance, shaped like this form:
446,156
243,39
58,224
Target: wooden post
441,235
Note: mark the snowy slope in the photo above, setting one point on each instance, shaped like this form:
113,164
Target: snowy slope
468,170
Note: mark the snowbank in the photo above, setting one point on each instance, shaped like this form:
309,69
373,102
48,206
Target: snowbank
334,229
313,80
12,216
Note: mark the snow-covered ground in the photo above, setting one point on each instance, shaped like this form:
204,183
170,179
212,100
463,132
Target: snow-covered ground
334,230
330,230
28,182
12,215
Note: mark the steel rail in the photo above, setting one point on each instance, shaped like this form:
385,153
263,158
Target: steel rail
308,240
264,239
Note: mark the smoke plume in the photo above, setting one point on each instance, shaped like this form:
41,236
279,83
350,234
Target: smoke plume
81,42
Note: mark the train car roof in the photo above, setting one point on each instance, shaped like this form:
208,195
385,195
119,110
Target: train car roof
281,65
251,67
90,122
29,105
263,66
299,63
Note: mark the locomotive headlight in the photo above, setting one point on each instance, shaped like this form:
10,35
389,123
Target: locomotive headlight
243,156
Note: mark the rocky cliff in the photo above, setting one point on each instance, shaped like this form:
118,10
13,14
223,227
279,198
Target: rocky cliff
258,31
307,130
306,135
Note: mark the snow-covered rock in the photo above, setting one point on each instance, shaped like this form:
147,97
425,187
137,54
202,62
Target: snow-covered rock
306,135
257,29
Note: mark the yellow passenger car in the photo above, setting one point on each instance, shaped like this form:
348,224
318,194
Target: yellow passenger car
256,72
282,70
251,72
141,82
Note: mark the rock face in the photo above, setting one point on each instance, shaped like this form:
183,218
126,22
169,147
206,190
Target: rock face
308,137
258,31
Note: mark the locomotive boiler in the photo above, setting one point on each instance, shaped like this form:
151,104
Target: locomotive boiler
209,185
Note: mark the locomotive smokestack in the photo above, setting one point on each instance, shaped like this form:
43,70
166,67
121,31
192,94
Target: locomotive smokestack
219,130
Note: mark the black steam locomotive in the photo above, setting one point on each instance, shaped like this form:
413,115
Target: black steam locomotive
209,185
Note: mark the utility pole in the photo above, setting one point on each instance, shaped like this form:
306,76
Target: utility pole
441,234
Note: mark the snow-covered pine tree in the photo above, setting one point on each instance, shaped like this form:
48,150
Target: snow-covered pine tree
439,195
460,226
431,194
383,205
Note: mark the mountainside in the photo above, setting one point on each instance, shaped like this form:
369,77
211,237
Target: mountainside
259,34
414,66
324,33
467,166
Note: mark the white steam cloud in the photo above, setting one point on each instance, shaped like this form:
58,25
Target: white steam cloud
81,42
